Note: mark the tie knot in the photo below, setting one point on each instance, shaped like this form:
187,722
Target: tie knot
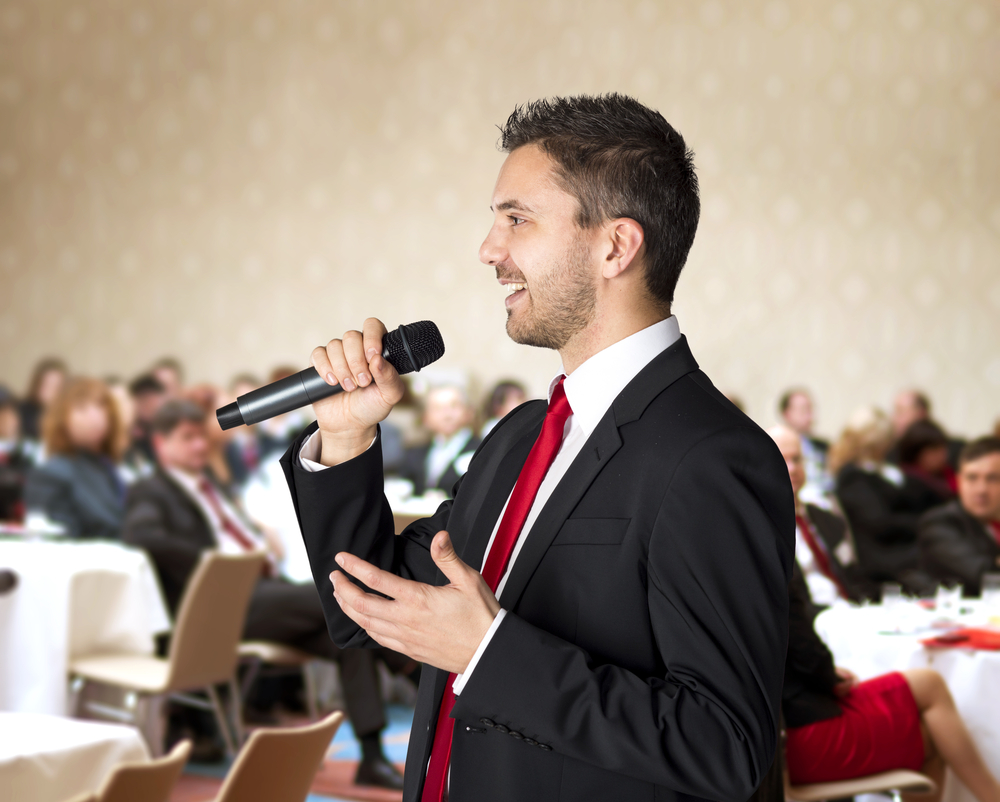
559,404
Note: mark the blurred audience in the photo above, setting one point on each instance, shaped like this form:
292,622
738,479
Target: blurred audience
47,380
923,456
960,541
908,407
838,728
148,395
243,449
881,509
823,546
441,463
796,408
79,486
180,511
15,459
504,398
170,374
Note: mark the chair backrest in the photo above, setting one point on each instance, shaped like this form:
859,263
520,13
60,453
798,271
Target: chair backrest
151,782
210,619
279,765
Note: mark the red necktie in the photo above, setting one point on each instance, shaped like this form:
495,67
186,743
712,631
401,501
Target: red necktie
543,452
232,529
995,526
820,554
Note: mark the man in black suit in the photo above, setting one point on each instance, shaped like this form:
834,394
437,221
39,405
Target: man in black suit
442,462
179,512
629,640
960,541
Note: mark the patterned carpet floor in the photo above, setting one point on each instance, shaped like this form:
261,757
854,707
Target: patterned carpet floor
335,780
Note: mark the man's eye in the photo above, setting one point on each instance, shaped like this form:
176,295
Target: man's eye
516,221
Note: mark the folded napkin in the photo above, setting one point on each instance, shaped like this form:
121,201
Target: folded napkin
969,638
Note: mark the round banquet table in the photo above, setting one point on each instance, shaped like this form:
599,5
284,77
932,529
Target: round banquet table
51,758
74,598
873,640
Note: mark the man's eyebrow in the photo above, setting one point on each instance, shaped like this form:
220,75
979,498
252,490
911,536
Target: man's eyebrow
507,205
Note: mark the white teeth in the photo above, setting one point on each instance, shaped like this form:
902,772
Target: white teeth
512,288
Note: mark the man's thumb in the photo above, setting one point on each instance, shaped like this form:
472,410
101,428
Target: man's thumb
445,557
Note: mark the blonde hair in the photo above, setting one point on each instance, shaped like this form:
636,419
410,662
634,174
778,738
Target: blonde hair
867,437
55,424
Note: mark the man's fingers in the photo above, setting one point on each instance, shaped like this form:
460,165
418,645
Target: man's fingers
338,364
373,331
446,558
321,361
375,578
357,362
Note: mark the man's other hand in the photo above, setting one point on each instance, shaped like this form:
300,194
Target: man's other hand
442,626
371,386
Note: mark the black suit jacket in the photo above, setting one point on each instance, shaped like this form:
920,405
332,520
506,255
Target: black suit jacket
162,519
955,547
80,491
643,650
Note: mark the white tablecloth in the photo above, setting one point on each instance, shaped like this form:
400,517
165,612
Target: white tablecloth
860,640
73,599
52,759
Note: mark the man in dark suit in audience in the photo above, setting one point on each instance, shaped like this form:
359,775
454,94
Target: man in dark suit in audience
960,541
824,549
178,513
442,462
602,608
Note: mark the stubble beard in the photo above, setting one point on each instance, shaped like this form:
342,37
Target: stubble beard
559,305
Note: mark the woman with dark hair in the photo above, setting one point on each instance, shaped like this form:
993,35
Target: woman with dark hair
504,398
79,486
47,379
923,456
838,728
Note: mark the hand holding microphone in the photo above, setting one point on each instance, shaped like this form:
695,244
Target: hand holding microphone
353,385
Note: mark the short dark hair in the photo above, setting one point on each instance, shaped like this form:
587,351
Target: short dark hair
146,384
981,447
173,413
619,158
499,395
786,398
919,435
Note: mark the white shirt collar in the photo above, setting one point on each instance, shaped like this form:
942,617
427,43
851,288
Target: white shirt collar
594,385
186,480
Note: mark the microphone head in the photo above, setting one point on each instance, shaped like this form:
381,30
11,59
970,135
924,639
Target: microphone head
413,346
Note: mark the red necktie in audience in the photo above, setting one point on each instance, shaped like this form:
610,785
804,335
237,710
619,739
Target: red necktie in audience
535,467
995,526
820,554
231,527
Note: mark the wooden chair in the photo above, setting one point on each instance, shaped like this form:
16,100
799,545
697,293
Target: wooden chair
279,765
260,653
203,651
894,783
149,781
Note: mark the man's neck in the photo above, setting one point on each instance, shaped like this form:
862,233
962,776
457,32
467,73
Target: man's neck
605,332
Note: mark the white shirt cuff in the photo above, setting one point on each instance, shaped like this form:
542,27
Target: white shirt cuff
310,452
461,679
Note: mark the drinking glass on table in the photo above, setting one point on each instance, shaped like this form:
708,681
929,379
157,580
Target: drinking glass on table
947,599
892,595
991,591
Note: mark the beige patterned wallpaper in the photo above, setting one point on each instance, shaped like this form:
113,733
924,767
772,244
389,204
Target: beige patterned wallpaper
235,182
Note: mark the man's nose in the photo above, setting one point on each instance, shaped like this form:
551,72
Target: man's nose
492,252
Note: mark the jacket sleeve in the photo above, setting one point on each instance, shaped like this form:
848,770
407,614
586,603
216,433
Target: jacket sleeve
49,489
343,508
945,553
719,558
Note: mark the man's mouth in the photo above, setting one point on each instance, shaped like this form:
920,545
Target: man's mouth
513,287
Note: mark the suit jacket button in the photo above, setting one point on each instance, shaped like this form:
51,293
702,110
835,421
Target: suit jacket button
501,728
517,735
487,722
530,742
545,747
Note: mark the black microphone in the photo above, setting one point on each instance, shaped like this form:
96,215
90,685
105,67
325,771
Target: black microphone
408,348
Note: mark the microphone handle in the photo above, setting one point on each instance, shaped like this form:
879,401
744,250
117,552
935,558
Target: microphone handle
293,392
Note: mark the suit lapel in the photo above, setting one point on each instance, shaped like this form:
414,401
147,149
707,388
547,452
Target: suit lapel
597,452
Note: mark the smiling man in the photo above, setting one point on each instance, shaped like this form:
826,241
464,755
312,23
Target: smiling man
602,607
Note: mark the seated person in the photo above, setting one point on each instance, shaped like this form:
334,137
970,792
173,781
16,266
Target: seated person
504,398
15,459
823,548
178,513
908,407
442,462
838,728
923,457
880,506
960,541
79,486
796,409
47,379
148,395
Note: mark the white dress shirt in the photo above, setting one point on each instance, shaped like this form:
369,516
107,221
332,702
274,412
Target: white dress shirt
821,587
590,390
443,452
227,543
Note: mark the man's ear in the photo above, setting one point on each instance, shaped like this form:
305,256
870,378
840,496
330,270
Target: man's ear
625,240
